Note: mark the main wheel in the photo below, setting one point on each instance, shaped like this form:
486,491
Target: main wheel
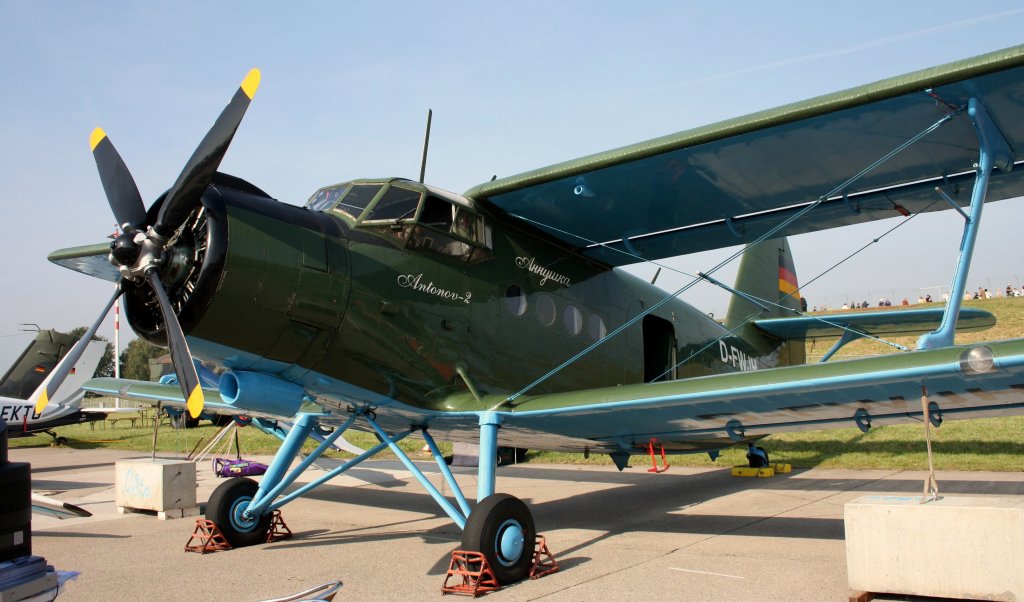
501,528
225,508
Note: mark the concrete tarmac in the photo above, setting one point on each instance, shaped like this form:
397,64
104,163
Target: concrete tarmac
687,534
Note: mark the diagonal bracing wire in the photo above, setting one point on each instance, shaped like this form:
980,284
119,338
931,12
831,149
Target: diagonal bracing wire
799,214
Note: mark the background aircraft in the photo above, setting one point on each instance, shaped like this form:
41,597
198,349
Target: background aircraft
498,316
32,371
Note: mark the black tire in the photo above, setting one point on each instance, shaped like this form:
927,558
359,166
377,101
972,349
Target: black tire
184,421
498,519
222,420
225,510
511,455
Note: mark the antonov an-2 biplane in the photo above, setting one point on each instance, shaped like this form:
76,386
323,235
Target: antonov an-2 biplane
497,316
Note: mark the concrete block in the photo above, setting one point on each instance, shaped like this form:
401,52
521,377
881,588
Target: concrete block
465,454
954,547
158,485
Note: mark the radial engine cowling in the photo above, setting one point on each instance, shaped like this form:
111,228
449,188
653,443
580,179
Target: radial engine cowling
253,275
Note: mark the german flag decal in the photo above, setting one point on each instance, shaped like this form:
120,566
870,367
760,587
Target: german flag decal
787,276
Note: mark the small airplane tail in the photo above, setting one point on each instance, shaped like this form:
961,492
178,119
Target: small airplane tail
34,364
768,276
70,392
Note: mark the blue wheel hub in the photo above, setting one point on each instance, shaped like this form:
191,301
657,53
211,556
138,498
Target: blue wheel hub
509,542
239,521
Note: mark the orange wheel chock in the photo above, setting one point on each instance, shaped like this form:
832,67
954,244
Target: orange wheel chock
475,573
654,461
278,531
544,562
209,537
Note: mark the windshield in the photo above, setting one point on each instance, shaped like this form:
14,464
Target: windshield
326,198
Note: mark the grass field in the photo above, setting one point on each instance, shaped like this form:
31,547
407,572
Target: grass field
995,444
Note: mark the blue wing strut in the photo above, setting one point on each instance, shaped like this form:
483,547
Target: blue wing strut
994,153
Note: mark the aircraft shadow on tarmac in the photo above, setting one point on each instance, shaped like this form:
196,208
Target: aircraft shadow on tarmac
77,535
62,486
641,502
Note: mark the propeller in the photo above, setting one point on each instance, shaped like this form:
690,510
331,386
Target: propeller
199,170
188,378
122,193
140,250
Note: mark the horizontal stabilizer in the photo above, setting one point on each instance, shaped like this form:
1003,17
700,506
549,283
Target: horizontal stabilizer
909,322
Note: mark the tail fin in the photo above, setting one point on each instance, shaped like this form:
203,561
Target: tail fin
767,273
70,392
34,364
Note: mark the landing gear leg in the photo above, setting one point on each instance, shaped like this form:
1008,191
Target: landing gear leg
501,526
57,439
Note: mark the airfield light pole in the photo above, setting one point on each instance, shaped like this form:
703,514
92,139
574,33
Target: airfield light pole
117,335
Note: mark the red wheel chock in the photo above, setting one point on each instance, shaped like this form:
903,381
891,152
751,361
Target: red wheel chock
278,531
210,539
477,576
654,461
544,562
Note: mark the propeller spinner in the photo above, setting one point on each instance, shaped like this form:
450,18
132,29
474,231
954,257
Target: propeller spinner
142,249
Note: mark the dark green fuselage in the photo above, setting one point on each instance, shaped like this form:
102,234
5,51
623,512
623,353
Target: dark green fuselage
424,308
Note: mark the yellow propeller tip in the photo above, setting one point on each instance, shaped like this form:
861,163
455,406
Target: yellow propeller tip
251,82
42,402
96,137
195,402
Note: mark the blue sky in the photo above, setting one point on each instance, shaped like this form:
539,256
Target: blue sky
513,86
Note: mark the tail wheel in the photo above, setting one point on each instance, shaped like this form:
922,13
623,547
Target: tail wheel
501,528
226,509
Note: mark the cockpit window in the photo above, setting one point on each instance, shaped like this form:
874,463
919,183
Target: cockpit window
358,197
396,204
437,214
451,230
326,198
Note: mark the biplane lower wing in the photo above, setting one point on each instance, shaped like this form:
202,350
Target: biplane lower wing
710,412
716,411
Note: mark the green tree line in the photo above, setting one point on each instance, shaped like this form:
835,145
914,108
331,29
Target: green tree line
134,358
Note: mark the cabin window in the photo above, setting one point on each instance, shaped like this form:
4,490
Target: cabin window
358,197
515,300
572,319
326,198
597,328
395,204
546,312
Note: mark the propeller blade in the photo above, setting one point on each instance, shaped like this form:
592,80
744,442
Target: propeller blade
181,357
187,190
64,367
122,193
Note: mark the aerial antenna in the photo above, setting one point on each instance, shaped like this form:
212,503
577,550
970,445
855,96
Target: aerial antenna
426,144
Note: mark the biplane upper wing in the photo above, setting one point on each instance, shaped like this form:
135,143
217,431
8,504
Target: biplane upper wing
729,183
